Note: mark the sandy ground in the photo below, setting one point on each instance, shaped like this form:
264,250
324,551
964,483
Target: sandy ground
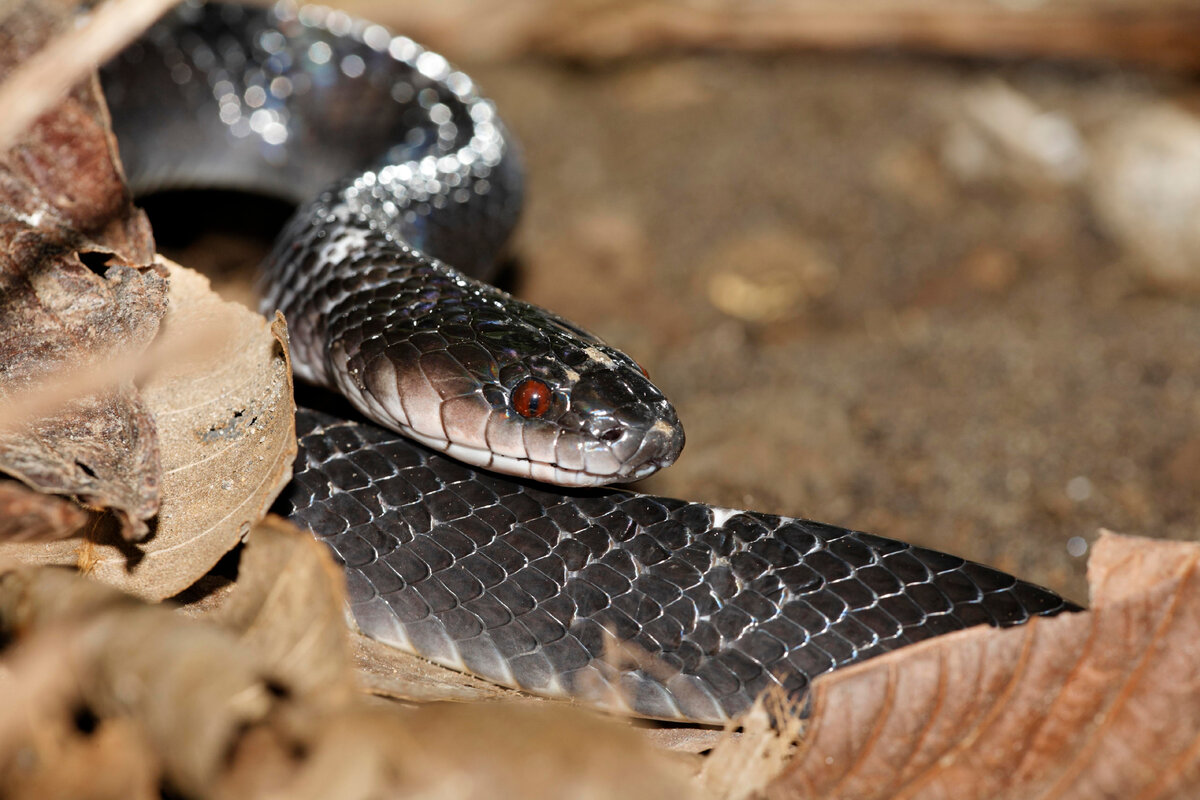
872,305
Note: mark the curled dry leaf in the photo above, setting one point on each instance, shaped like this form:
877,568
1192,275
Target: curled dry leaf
189,687
26,515
225,418
496,752
1100,703
61,177
288,606
61,194
96,35
50,745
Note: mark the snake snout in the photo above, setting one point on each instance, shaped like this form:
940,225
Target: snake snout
659,448
629,427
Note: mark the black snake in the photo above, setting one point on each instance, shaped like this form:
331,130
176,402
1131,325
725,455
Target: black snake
662,607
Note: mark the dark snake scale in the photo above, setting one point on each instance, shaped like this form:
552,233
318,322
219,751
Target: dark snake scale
407,187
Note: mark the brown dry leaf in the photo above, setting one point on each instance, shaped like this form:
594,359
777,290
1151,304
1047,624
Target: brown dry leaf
288,606
226,423
29,516
496,752
1101,703
108,763
190,688
184,705
61,194
61,176
44,750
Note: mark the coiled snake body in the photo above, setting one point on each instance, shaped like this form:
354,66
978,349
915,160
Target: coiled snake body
662,607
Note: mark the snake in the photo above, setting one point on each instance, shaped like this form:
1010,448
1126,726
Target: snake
463,483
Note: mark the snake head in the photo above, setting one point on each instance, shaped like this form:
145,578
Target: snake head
506,385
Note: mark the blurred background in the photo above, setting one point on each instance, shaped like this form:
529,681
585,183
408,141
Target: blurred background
925,268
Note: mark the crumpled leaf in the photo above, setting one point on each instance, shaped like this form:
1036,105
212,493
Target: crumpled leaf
1100,703
494,752
89,34
226,423
190,688
61,194
62,175
26,515
45,752
288,605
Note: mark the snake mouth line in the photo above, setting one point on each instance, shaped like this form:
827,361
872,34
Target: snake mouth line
526,467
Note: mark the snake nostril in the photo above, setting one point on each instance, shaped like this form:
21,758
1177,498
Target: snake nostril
611,435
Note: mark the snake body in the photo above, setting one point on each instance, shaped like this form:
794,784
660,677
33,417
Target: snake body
407,186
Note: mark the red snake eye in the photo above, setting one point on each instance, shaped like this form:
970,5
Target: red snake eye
531,398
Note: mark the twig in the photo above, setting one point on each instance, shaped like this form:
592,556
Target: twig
1163,34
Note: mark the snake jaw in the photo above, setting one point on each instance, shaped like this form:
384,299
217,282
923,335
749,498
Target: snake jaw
546,472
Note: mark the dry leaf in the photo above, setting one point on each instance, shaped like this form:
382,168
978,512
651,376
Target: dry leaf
496,752
27,516
50,745
225,420
1094,704
61,176
288,605
190,687
61,194
97,35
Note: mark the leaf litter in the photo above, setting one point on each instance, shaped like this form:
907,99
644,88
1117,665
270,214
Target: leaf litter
224,416
258,686
62,196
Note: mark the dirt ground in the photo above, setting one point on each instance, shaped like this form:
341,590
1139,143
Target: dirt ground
874,299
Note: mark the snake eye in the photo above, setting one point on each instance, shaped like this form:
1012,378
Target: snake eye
531,398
